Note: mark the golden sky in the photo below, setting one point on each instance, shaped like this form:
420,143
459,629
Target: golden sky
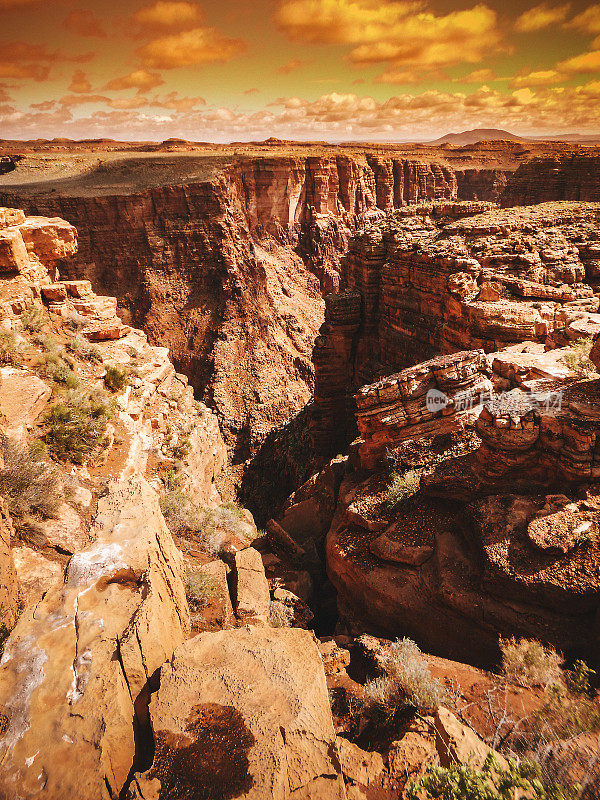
234,70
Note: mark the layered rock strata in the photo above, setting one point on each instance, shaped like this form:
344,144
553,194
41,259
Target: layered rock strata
187,265
501,538
415,286
562,177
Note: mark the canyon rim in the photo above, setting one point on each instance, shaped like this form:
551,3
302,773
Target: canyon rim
299,400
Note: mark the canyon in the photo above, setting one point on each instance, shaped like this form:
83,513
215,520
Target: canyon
298,331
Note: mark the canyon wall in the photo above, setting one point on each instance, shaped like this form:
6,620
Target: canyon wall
217,271
419,285
567,177
482,184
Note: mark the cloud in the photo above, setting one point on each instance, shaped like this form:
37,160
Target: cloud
542,16
46,105
542,77
141,80
588,21
84,23
291,66
401,76
80,82
586,62
402,33
253,90
478,76
169,14
31,61
196,46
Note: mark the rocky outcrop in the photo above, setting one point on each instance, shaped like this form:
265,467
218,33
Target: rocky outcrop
243,714
75,668
7,164
500,537
482,184
417,285
562,177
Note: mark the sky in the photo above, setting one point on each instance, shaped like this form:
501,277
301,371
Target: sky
335,70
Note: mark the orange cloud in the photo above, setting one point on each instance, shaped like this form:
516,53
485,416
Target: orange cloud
542,16
31,61
402,33
586,62
80,82
291,66
196,46
169,14
588,21
84,23
542,77
141,80
17,3
478,76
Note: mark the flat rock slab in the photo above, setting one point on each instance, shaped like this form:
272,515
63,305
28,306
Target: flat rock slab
23,397
244,713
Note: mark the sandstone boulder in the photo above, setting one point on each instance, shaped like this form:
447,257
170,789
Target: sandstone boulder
77,662
252,598
243,713
458,744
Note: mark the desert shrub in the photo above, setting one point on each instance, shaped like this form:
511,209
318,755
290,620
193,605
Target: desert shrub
578,679
578,358
180,513
81,348
34,318
75,427
232,507
402,486
55,363
177,442
565,714
280,615
10,350
520,781
200,589
32,486
115,379
528,663
407,683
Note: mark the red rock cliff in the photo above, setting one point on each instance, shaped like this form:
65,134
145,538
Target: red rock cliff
570,177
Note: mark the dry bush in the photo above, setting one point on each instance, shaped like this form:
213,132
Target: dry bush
32,486
528,663
35,318
81,348
115,379
402,486
10,349
281,615
407,683
200,589
75,428
578,358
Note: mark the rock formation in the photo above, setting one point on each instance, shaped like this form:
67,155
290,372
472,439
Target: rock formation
214,737
416,285
561,177
482,184
75,667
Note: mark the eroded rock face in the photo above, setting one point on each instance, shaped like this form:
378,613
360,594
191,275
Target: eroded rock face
419,285
562,177
75,665
243,713
9,598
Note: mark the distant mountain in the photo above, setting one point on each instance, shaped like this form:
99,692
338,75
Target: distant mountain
477,135
496,134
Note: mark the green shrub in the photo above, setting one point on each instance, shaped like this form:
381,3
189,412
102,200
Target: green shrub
4,634
578,679
402,486
75,428
115,379
578,358
200,589
10,350
81,348
34,318
528,663
407,683
520,781
566,714
32,487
